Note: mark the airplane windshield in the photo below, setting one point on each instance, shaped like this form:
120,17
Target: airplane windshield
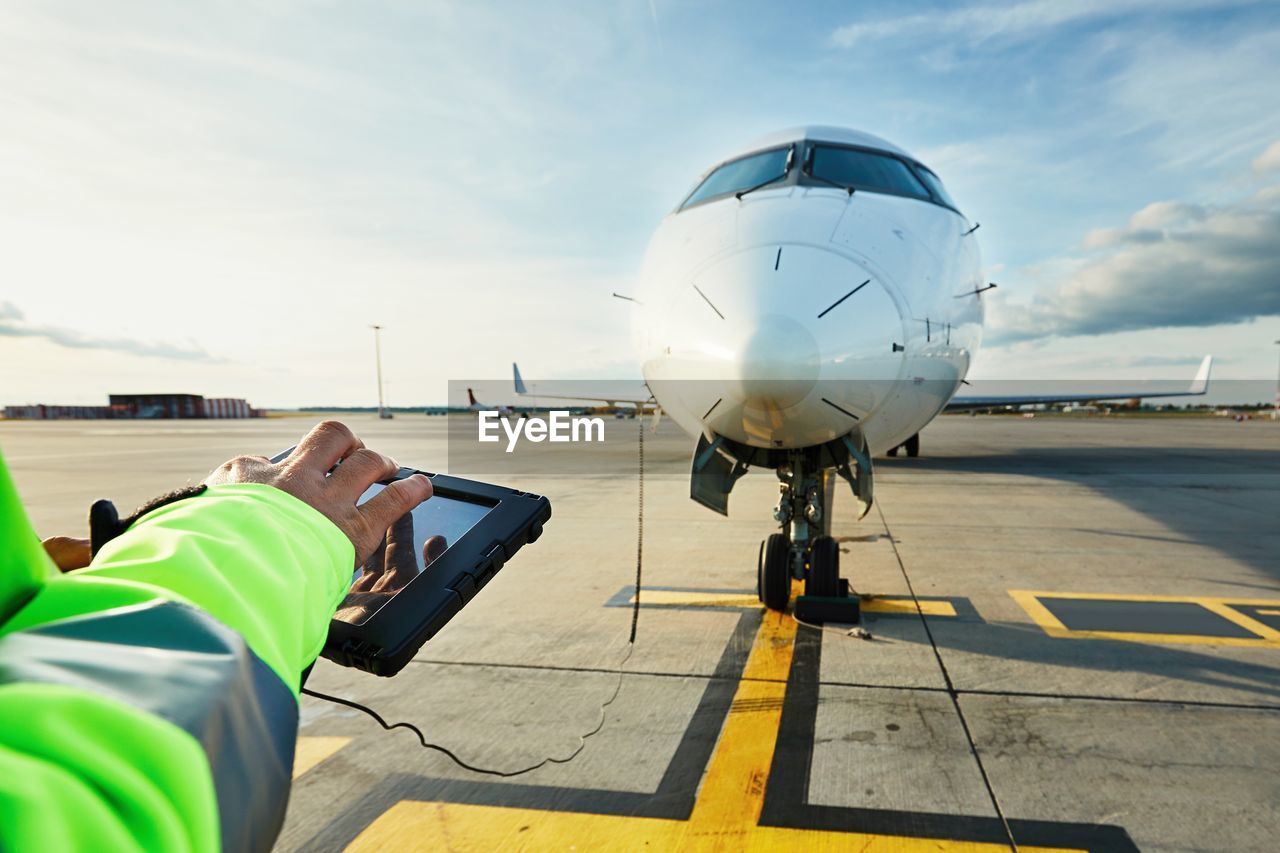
865,170
939,191
743,174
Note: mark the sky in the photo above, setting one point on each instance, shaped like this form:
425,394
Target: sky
219,198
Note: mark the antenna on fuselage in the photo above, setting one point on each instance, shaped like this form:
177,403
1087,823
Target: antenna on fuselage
990,286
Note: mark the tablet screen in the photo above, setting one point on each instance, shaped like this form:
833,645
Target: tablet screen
412,544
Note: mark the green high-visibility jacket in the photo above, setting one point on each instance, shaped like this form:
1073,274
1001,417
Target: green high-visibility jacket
150,701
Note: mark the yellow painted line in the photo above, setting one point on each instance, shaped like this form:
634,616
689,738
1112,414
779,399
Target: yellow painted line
1269,612
1123,596
732,791
906,605
410,825
312,750
724,816
698,599
1030,602
1223,609
1267,637
670,597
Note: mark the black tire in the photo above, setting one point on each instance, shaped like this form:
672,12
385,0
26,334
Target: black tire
760,572
824,568
774,575
913,446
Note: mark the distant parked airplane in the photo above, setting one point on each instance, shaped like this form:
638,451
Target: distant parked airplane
477,406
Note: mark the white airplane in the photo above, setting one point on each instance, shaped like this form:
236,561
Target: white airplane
815,300
474,405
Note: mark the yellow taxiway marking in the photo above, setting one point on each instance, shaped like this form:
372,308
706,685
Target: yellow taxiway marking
1268,612
312,750
695,598
725,814
698,599
1267,637
907,605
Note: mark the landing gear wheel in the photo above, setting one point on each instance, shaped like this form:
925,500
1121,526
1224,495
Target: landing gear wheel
913,446
760,571
824,568
774,577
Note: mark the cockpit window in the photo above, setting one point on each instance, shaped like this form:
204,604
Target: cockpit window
745,173
865,170
935,185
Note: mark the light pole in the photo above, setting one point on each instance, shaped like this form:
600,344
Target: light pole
1275,412
377,354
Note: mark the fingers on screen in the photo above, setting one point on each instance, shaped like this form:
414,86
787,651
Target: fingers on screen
397,499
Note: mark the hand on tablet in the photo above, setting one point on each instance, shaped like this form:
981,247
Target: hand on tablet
305,475
394,564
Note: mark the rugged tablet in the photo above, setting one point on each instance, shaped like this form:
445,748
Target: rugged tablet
432,562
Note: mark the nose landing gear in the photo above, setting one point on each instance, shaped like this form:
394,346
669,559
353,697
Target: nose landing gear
821,576
805,550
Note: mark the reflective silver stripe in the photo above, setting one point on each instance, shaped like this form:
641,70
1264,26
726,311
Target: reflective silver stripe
184,666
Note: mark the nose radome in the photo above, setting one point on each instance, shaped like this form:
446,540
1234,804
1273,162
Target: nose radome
778,363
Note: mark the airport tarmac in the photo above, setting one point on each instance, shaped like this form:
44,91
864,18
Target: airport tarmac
1075,644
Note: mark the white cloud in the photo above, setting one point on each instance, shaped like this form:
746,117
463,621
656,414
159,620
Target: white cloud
1269,160
1173,265
13,325
1151,224
1012,20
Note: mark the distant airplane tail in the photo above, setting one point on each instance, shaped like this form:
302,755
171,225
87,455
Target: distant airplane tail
1200,384
471,398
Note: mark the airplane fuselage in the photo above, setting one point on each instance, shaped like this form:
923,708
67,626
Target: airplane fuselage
799,312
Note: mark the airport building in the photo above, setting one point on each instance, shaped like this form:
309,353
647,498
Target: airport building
41,412
157,405
227,407
142,406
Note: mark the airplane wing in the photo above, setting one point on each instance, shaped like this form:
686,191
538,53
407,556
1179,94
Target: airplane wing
1199,386
632,391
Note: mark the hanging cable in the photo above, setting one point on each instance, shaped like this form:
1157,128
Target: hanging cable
635,602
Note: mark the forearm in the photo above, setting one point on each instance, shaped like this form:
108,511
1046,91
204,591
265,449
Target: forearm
150,700
256,559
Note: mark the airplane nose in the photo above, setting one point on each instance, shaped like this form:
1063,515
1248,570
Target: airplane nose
778,363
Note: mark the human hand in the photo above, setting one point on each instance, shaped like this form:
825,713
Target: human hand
68,552
393,564
433,548
387,571
305,475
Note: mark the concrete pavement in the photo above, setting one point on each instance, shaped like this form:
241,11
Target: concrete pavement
1156,725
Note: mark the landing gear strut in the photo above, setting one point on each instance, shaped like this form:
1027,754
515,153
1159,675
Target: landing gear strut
911,445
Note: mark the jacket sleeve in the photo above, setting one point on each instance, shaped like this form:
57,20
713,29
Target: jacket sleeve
150,700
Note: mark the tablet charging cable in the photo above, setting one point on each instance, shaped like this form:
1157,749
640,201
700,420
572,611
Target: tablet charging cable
617,687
